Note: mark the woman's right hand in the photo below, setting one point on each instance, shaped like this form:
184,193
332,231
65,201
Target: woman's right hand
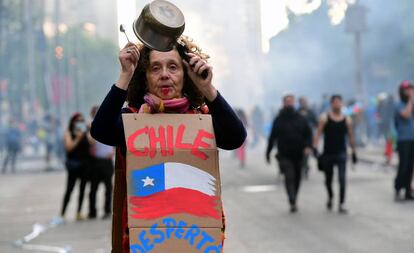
128,57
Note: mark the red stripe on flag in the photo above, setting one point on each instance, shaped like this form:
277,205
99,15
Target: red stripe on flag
173,201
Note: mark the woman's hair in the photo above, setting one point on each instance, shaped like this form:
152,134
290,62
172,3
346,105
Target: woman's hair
138,85
76,116
404,86
335,97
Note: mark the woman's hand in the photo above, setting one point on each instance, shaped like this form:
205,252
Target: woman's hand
195,67
128,57
70,144
79,134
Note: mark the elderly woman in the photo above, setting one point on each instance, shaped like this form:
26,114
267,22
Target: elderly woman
159,82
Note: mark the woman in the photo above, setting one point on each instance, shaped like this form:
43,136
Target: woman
77,154
151,82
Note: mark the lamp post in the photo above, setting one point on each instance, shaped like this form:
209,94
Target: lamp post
30,50
356,24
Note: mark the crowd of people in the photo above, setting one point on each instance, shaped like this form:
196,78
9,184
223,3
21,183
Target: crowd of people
298,128
295,132
31,138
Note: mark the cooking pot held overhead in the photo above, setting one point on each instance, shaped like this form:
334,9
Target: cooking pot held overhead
159,25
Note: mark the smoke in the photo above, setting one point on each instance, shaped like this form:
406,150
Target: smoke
275,14
337,10
300,7
315,54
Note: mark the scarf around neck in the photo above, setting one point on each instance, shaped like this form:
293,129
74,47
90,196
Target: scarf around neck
154,104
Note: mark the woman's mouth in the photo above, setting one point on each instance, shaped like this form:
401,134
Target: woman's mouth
165,90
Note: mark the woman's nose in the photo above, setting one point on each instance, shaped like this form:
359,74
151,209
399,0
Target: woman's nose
164,73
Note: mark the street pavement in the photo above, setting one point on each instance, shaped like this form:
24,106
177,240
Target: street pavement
258,219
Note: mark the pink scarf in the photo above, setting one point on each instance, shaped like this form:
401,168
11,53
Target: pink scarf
154,104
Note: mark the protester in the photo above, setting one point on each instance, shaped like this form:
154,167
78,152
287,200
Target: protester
77,159
257,126
335,128
49,125
310,117
240,153
3,132
404,123
154,82
102,170
13,143
293,138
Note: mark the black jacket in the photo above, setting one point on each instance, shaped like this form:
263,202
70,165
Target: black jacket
291,133
107,126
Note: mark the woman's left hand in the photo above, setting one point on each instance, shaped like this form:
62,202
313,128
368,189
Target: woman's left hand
195,67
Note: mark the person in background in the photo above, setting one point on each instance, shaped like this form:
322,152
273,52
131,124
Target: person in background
404,123
48,125
310,117
77,160
240,153
257,123
13,141
335,128
293,138
102,170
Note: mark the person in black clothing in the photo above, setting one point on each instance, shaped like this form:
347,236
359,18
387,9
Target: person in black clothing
102,170
335,127
293,138
77,159
153,81
310,117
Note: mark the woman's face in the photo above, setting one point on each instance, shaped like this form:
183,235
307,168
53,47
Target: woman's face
79,124
165,74
409,92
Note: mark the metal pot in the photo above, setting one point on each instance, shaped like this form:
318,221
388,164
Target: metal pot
159,25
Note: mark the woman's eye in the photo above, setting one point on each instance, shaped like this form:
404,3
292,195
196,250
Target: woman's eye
155,68
173,67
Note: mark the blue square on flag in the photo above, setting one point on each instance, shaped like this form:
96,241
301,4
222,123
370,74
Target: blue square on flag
148,181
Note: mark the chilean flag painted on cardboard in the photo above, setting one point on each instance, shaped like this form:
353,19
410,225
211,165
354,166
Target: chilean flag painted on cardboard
172,188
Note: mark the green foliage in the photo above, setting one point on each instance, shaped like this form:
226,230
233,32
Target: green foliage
89,62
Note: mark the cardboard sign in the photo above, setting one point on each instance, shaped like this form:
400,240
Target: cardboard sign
173,183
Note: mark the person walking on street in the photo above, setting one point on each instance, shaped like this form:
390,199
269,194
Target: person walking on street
336,128
293,138
102,170
404,123
77,160
310,117
13,141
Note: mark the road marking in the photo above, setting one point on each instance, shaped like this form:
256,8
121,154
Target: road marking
38,229
46,248
259,188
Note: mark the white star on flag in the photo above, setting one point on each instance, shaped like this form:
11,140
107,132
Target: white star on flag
148,181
